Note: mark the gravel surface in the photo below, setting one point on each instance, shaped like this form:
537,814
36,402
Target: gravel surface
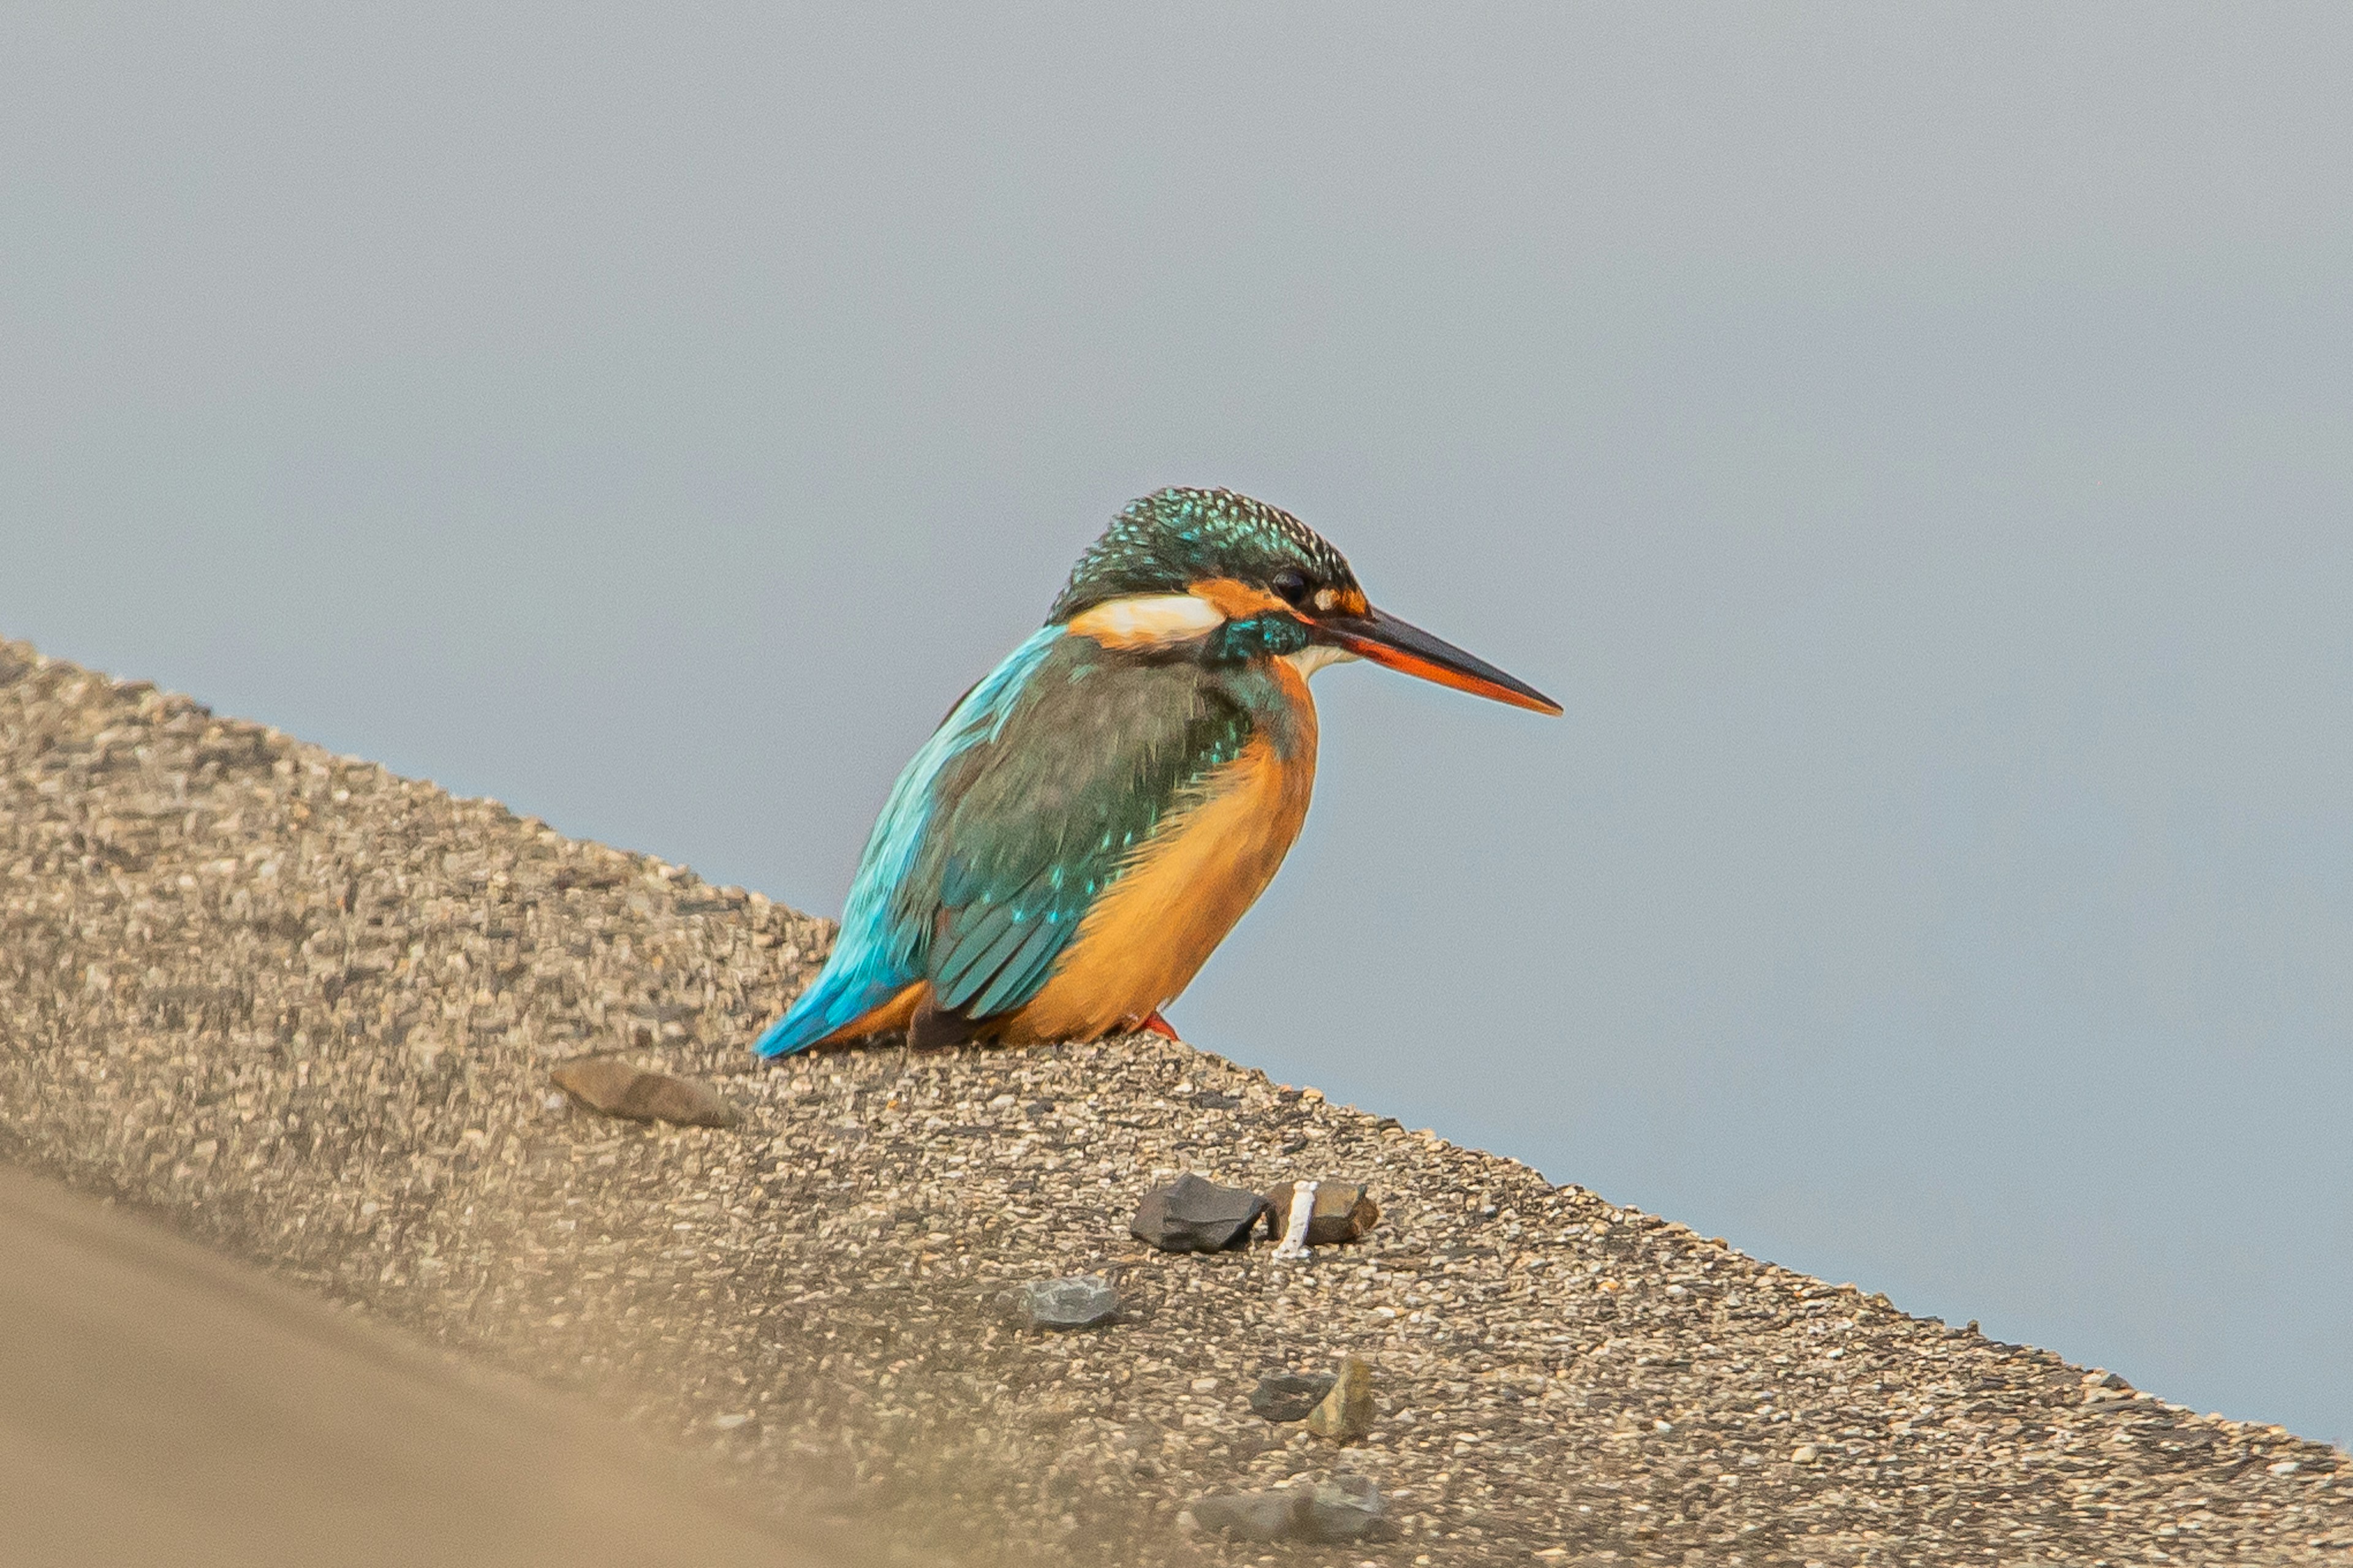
306,1010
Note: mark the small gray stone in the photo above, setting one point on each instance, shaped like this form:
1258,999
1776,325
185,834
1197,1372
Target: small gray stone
1346,1508
1290,1396
1276,1515
611,1086
1074,1302
1190,1215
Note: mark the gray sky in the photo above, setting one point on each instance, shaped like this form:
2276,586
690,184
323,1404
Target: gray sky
1916,445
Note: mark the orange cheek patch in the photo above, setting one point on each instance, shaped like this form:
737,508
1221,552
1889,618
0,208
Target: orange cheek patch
1236,601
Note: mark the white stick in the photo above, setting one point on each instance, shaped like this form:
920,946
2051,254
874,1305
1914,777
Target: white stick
1303,1209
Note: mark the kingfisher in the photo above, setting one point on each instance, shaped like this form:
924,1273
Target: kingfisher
1089,822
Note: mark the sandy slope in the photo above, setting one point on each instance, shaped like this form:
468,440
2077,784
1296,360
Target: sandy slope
161,1405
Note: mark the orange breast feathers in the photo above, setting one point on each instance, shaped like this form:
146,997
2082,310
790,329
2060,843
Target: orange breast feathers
1158,924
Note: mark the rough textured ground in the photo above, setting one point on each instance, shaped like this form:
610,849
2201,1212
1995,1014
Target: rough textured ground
305,1009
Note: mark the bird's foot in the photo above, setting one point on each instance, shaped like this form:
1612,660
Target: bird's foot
1156,1024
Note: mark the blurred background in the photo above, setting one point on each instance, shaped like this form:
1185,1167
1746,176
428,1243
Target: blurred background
1915,445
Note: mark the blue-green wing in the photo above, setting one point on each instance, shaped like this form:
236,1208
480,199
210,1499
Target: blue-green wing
881,947
1029,827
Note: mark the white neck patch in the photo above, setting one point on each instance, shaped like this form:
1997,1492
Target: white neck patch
1148,620
1316,655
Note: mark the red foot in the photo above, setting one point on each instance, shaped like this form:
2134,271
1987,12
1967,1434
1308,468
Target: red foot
1158,1024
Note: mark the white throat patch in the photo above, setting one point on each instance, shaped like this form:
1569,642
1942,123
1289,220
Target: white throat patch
1316,655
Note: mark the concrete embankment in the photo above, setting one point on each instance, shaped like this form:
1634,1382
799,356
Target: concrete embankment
304,1010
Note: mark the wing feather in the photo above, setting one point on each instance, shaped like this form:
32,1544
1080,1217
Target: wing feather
1036,824
1029,802
878,950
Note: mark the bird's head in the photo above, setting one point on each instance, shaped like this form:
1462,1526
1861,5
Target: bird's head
1221,575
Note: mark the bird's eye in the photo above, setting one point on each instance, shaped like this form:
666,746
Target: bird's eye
1293,584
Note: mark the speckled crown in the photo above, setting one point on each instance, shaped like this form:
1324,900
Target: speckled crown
1164,542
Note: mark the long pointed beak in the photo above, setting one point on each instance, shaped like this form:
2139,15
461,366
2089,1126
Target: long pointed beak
1383,639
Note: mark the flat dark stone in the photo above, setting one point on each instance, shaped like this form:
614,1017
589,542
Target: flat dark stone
611,1086
1190,1215
1290,1396
1074,1302
1346,1508
1251,1516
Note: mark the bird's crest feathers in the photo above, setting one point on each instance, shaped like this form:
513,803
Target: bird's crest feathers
1179,541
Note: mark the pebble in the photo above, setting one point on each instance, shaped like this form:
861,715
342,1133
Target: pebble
1346,1412
1271,1515
1343,1213
1073,1301
611,1086
1191,1214
1290,1395
1344,1508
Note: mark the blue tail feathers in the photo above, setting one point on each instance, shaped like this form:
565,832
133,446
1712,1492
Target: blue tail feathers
836,999
880,949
